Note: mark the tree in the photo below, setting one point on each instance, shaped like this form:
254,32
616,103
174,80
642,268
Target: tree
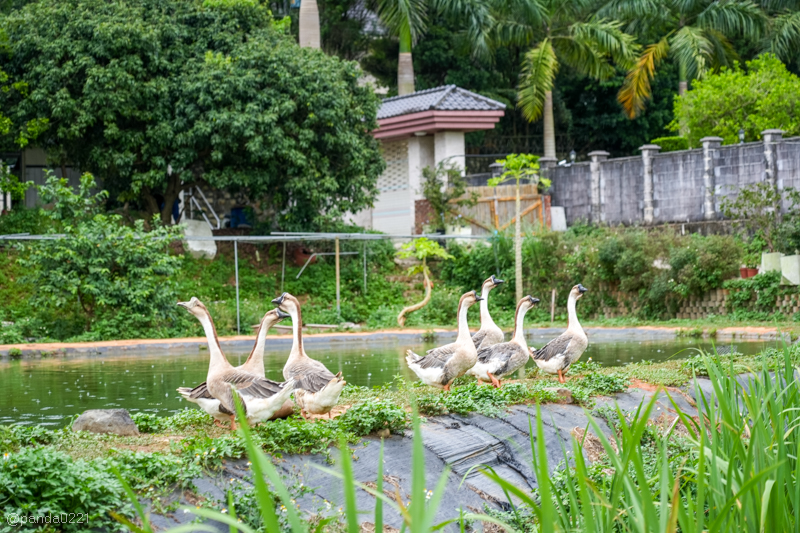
518,167
407,20
757,208
444,187
214,90
765,96
695,34
420,249
561,31
102,266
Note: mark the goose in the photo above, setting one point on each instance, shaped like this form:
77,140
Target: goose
556,356
505,358
260,397
440,366
318,389
489,333
253,365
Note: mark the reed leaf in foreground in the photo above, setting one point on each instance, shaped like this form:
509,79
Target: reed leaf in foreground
735,469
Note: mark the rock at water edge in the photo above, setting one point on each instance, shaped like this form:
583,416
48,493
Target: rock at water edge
114,421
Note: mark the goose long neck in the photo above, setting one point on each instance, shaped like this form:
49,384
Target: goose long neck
297,330
463,326
485,317
257,354
519,325
573,316
217,358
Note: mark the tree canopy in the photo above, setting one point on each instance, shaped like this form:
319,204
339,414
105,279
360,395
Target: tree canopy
764,96
155,95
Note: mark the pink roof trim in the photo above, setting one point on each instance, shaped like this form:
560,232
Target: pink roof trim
433,121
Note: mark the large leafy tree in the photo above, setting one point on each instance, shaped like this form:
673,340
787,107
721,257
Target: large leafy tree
156,95
696,34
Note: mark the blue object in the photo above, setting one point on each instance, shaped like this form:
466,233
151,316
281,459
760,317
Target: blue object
295,4
238,217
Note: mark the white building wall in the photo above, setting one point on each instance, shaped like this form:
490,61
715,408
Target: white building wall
449,147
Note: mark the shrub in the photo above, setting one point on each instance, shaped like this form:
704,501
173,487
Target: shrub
40,481
764,96
374,415
671,144
102,266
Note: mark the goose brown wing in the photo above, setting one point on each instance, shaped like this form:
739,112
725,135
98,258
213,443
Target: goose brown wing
310,375
555,347
199,392
438,357
478,337
249,384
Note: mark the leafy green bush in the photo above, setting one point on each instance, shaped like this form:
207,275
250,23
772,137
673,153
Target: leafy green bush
373,415
41,481
102,266
671,144
764,96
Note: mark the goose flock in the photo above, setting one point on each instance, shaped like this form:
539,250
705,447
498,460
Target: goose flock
484,355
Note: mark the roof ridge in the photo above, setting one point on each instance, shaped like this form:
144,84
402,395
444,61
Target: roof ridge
417,93
450,89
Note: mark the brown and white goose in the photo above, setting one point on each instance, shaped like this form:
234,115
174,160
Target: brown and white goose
318,389
254,365
440,366
260,397
505,358
556,356
490,333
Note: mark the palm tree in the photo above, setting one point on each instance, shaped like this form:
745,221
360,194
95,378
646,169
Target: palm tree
309,24
407,20
783,29
694,33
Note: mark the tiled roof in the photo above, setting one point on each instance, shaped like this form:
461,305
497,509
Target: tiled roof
446,98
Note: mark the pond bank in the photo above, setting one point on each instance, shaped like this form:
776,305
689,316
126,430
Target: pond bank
245,342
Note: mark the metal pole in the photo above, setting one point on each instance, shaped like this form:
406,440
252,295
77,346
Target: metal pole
283,265
236,267
338,304
553,306
365,268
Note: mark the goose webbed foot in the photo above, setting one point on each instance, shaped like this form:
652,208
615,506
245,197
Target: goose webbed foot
447,387
233,423
495,381
219,424
561,377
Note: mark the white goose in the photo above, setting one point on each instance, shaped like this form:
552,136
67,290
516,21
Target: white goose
556,356
260,397
253,365
505,358
490,333
318,389
440,366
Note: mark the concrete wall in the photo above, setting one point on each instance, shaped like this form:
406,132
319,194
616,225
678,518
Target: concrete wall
679,181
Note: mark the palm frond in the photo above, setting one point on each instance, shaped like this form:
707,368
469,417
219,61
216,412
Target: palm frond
521,21
692,49
733,17
404,16
539,68
607,38
783,36
723,54
636,88
476,16
583,56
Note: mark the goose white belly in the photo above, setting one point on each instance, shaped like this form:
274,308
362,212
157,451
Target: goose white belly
553,365
260,409
482,370
431,376
209,405
322,401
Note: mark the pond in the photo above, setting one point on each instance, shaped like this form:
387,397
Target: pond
49,391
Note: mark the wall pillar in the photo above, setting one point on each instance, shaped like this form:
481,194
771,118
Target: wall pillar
770,138
449,148
648,152
598,156
710,150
